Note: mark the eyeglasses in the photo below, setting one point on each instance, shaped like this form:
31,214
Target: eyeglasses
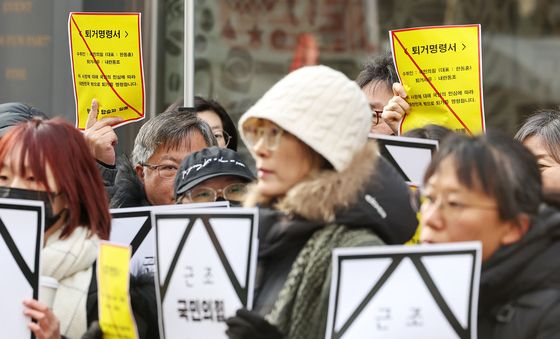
450,208
222,137
269,134
163,171
376,118
233,192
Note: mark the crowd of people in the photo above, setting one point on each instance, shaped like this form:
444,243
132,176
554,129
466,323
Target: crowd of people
320,184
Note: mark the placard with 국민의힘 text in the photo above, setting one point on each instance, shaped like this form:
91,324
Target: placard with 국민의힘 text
205,272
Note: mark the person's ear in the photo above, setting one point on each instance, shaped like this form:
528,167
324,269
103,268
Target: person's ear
139,172
516,229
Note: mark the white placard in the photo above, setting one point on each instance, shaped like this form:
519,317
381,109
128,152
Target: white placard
21,241
133,226
206,262
425,291
409,156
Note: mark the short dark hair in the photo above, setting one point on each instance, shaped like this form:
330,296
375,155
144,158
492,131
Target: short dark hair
378,69
546,125
496,165
431,131
201,105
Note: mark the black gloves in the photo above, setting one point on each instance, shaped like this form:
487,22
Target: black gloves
93,332
250,325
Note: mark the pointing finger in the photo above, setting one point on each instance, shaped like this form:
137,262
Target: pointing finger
92,115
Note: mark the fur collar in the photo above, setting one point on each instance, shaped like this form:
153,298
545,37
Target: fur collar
323,193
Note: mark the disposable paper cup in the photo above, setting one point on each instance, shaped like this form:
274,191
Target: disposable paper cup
47,290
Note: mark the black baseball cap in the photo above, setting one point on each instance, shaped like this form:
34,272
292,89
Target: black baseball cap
209,163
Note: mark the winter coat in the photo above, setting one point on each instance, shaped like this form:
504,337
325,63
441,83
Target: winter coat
123,185
366,204
520,284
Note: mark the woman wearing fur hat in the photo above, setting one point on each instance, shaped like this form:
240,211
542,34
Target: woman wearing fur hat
319,187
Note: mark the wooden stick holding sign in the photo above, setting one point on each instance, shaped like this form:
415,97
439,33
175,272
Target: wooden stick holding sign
206,261
21,241
425,292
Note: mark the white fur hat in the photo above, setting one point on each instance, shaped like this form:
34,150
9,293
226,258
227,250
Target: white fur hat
322,108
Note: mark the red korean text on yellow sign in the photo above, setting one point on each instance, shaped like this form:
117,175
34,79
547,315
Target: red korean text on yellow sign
440,68
107,65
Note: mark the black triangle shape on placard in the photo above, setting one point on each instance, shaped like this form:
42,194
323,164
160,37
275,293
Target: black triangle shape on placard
387,155
463,333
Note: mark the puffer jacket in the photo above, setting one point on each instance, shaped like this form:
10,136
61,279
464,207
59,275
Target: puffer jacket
366,204
123,186
520,284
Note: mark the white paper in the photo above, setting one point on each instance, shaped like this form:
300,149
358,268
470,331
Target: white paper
409,155
398,300
127,223
202,255
24,226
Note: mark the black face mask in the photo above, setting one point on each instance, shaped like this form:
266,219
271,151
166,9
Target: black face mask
19,193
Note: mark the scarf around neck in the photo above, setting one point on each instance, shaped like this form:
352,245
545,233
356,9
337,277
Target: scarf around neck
70,261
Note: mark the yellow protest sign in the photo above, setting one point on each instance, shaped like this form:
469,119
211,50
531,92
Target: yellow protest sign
440,68
106,55
115,314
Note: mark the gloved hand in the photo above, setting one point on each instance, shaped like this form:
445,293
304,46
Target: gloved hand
250,325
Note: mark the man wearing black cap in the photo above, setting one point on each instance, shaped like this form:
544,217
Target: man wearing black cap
212,174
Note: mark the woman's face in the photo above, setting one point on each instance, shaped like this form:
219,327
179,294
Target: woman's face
550,169
213,119
11,177
280,164
451,212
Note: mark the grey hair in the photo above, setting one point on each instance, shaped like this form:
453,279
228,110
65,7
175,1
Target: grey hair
171,129
544,124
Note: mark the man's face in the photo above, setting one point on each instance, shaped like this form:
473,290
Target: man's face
159,190
225,187
378,95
